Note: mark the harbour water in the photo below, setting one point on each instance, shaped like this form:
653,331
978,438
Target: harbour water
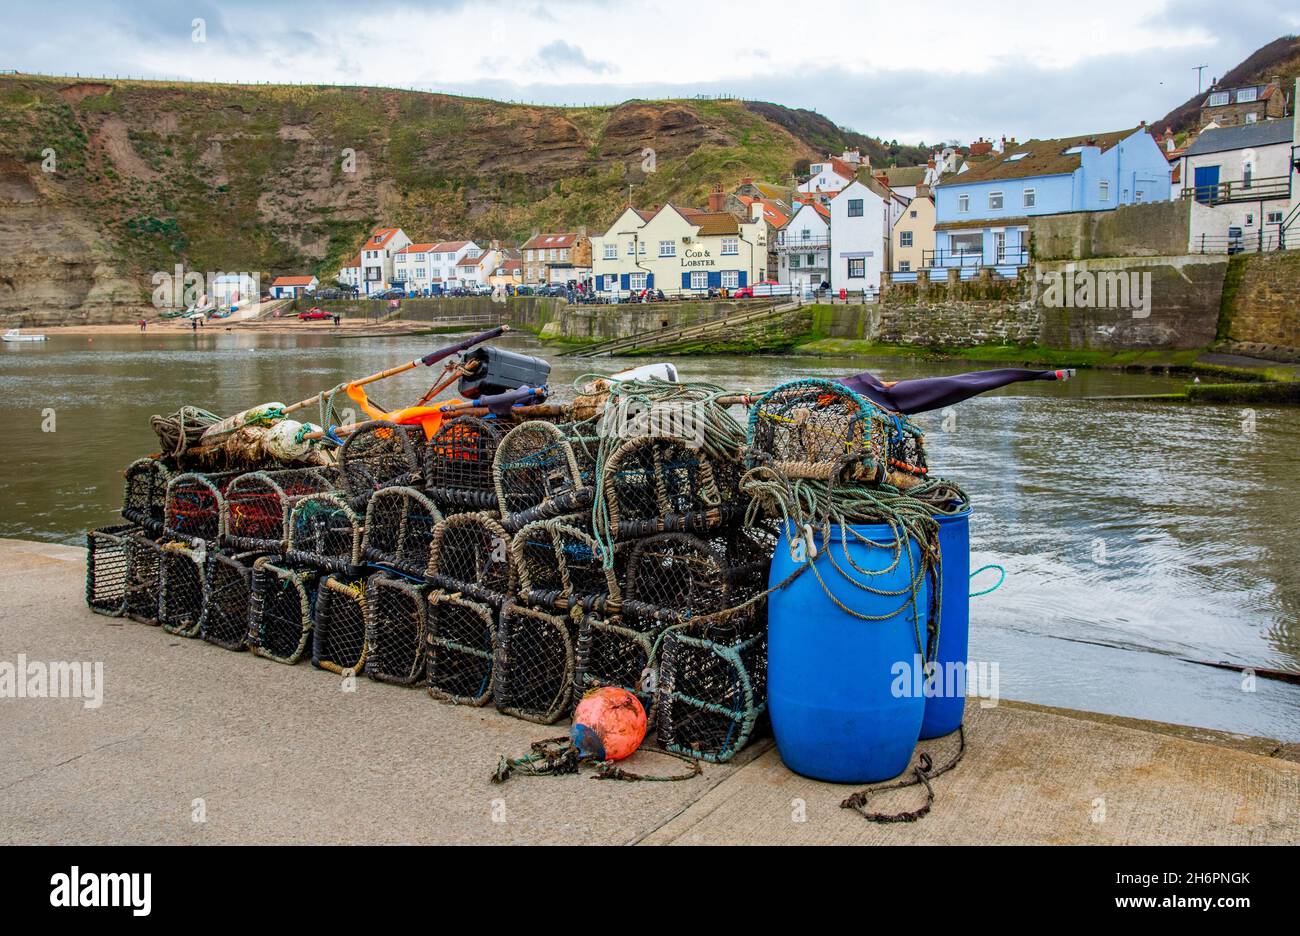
1137,535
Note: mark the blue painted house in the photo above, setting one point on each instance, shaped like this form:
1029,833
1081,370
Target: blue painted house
982,213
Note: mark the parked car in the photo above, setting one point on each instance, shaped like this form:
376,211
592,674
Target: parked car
314,314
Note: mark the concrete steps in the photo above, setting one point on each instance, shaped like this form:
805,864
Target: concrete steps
664,339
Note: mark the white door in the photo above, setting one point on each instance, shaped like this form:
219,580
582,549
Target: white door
999,245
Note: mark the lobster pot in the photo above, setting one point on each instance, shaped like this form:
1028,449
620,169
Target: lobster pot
459,649
534,671
108,567
143,580
399,529
182,588
195,506
281,610
712,687
458,464
257,505
396,613
339,637
229,590
558,564
748,551
654,484
325,533
608,653
816,428
471,553
144,501
542,470
380,454
672,576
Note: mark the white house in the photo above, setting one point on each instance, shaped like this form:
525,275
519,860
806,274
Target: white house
860,225
444,256
827,178
413,269
288,287
372,269
1239,179
803,247
475,266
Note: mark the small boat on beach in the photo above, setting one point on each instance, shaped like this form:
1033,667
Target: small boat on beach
14,334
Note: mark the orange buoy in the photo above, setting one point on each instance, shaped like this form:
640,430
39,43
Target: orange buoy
609,724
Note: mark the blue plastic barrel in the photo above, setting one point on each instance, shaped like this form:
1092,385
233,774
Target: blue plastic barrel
840,709
943,711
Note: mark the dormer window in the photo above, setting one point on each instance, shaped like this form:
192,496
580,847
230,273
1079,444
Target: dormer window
1246,95
1218,99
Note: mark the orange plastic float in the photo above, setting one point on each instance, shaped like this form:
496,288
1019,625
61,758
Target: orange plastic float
609,724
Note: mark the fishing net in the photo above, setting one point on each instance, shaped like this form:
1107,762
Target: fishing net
534,664
395,630
195,505
543,470
144,501
559,565
608,653
458,464
471,553
280,610
460,649
229,590
712,688
109,552
339,637
380,454
817,429
257,505
652,484
325,533
399,529
182,590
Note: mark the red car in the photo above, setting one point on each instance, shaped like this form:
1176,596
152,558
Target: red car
314,314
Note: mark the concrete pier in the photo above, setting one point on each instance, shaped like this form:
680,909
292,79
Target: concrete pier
195,744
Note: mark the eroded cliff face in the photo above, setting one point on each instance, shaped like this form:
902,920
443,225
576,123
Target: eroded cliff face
104,183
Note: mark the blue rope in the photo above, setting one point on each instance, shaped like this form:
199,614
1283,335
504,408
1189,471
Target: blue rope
1002,573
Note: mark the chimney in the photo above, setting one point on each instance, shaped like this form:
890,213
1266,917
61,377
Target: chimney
582,230
747,181
717,200
930,164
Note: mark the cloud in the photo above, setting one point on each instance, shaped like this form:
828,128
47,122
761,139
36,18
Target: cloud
560,55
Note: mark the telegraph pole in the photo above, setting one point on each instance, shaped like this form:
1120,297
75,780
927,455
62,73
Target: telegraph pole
1200,70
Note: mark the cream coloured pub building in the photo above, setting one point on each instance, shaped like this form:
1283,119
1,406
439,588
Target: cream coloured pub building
679,250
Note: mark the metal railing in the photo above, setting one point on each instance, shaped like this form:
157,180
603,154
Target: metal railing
795,244
1258,241
965,259
1222,193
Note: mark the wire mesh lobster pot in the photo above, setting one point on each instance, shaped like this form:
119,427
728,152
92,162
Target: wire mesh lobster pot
458,464
534,671
257,505
144,500
558,563
608,653
656,484
281,609
229,582
460,649
816,428
399,527
195,507
712,687
471,553
543,470
396,615
109,554
325,533
339,637
182,588
380,454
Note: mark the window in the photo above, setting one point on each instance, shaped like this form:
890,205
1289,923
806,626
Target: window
1016,157
1103,191
419,258
1273,217
855,207
1218,98
611,251
913,212
730,279
631,248
812,260
699,280
419,272
636,281
966,243
963,203
1246,95
905,266
1250,219
1029,197
904,238
551,253
995,201
730,246
668,248
1252,117
530,256
640,247
1247,175
857,268
794,261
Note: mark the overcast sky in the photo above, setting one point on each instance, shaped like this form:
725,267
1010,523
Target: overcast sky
910,71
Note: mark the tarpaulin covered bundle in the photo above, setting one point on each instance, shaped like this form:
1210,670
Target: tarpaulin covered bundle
930,393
